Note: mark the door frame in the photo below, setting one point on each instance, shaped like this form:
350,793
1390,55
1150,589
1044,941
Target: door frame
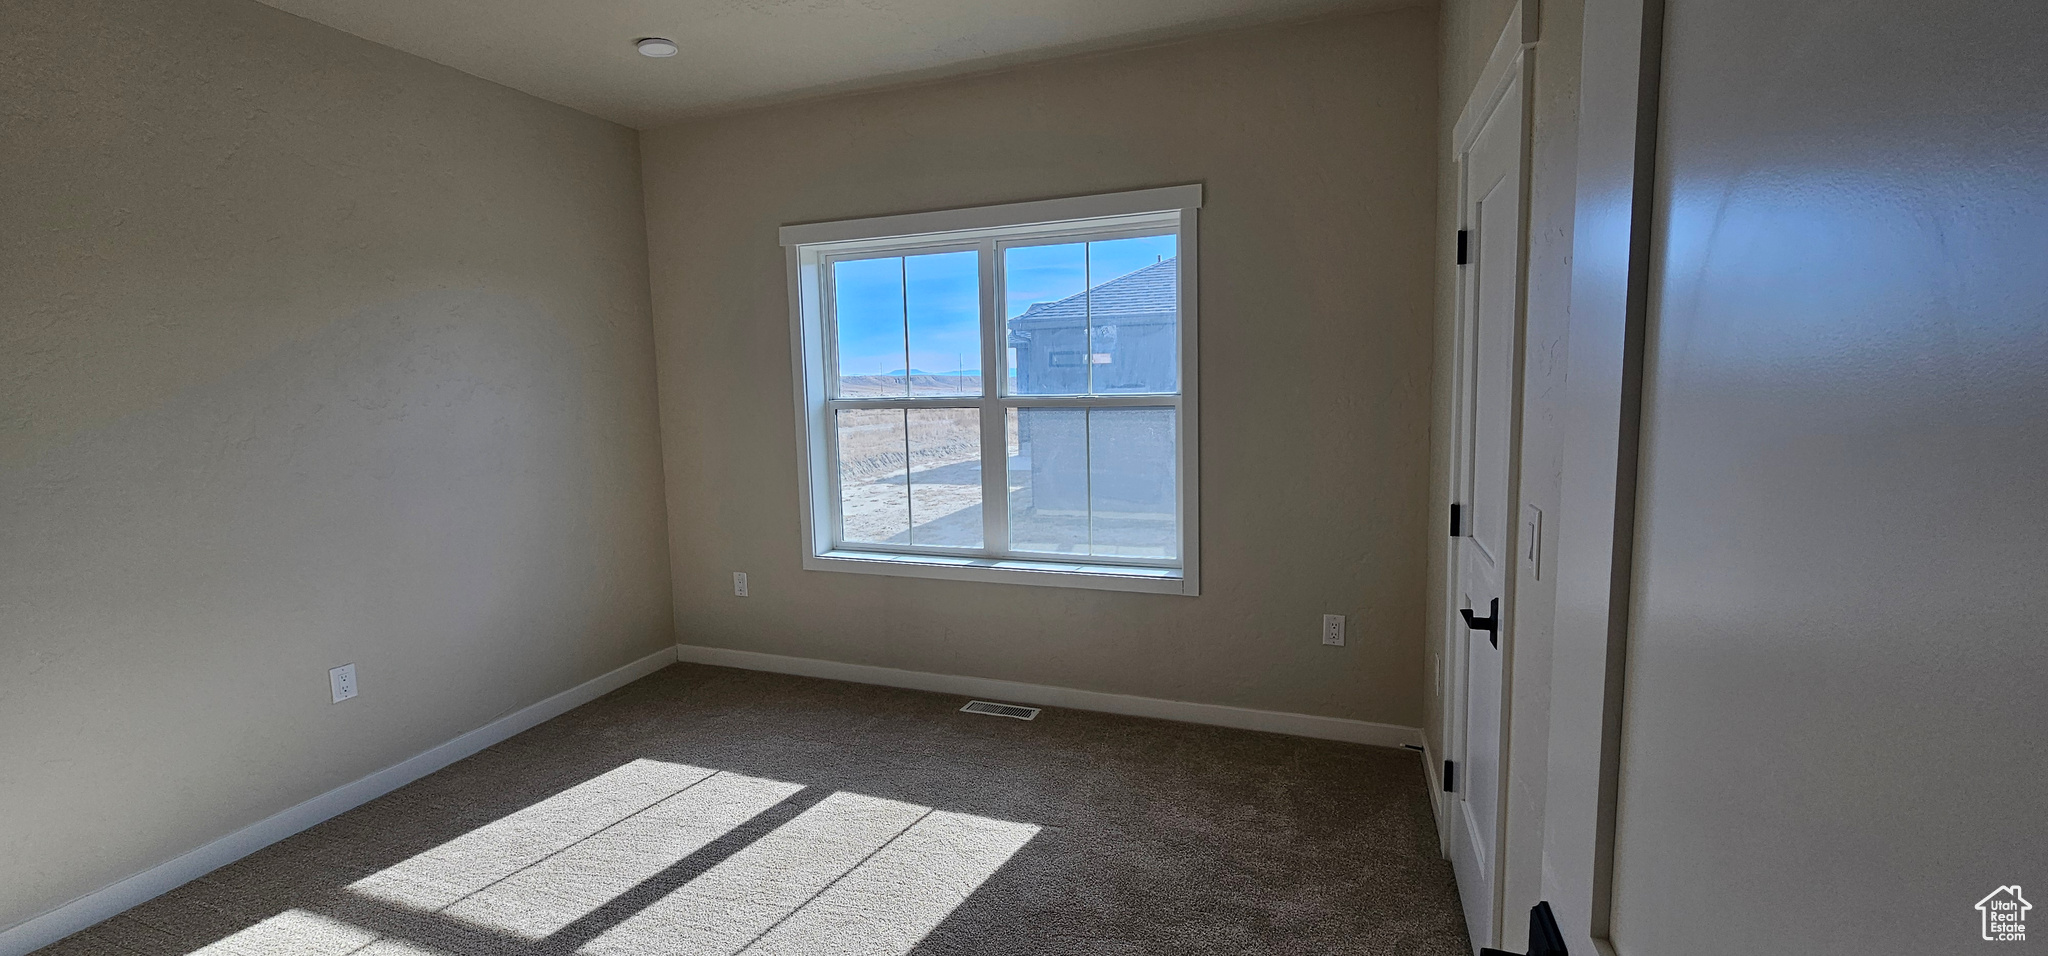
1613,258
1509,71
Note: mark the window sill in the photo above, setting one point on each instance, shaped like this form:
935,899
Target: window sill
1058,574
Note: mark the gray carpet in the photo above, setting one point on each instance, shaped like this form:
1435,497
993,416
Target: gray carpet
707,810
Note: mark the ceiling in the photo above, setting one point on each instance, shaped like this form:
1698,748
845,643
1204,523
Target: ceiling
739,53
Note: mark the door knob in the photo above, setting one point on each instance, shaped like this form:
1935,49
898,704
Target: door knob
1490,623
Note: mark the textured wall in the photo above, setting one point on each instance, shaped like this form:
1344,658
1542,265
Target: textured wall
310,352
1834,693
1313,141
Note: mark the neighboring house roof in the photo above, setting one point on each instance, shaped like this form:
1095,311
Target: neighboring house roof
1148,295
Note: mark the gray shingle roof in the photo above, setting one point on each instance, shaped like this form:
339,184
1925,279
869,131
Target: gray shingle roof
1149,293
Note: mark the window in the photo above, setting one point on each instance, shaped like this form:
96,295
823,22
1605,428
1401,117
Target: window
1003,393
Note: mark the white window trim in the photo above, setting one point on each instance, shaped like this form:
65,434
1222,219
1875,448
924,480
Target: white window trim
808,245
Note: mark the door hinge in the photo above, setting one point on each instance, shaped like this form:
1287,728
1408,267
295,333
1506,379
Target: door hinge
1450,777
1457,520
1464,236
1545,939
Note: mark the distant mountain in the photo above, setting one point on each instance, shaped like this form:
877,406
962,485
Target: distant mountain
919,371
895,383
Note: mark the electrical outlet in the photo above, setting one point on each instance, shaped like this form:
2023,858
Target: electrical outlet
343,680
739,584
1333,629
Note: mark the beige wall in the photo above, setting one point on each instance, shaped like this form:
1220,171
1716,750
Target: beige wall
310,352
1470,29
1314,143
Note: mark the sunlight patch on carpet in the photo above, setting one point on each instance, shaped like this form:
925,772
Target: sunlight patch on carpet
296,932
447,873
854,874
892,901
563,888
850,874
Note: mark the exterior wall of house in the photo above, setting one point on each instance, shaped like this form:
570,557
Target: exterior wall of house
1102,341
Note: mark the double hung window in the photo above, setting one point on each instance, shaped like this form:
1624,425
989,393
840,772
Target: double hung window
1001,394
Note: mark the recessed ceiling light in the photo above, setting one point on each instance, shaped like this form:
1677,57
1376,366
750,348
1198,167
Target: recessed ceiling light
656,46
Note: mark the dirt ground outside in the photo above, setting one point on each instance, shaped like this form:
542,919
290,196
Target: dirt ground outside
913,476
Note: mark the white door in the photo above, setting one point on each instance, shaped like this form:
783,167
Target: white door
1488,321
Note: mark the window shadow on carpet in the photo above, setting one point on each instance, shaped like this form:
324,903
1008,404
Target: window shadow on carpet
708,810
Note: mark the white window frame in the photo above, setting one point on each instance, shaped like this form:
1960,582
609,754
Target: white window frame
812,247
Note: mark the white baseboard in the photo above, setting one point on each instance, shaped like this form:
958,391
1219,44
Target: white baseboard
1243,718
40,931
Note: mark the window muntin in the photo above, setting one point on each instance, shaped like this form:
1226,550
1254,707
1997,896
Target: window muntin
907,324
1092,315
1093,481
953,431
934,502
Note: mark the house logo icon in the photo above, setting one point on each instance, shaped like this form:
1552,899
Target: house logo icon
2004,914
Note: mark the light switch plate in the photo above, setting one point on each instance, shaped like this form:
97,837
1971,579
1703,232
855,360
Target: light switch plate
1532,540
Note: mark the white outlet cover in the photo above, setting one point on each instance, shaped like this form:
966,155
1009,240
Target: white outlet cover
1333,629
343,681
739,583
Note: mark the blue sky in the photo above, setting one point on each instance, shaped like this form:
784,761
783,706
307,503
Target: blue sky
943,299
